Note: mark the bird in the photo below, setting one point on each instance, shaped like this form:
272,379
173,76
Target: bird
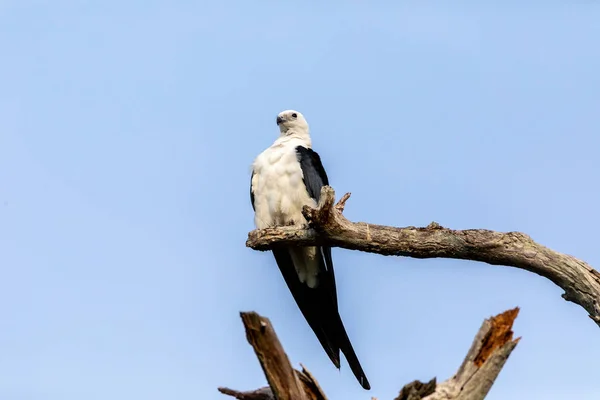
286,176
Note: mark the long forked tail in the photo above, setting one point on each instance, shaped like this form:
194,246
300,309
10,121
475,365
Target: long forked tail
346,348
319,307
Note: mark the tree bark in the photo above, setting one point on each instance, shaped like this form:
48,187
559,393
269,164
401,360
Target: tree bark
285,382
473,380
328,226
484,361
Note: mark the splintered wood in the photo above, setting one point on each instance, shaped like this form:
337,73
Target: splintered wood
273,360
500,333
285,382
489,351
473,380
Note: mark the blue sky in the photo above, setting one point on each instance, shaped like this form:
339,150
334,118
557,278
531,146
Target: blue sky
127,130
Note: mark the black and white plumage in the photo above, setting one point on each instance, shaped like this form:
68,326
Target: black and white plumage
285,177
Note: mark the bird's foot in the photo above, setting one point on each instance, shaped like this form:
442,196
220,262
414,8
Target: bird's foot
301,225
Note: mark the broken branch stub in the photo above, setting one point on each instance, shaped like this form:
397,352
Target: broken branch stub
273,360
285,382
489,351
487,355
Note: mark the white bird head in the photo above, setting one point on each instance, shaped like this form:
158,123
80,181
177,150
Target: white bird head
291,121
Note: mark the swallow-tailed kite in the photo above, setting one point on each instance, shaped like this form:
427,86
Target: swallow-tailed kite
285,177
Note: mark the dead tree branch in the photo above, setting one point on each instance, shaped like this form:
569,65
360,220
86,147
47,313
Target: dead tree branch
285,382
484,361
327,225
264,393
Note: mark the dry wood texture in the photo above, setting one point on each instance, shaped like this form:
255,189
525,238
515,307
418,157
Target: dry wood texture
473,380
493,343
327,225
285,382
484,361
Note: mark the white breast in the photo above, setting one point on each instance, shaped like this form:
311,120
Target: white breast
278,186
279,194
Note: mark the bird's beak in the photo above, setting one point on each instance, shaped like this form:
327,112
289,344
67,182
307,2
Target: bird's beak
279,120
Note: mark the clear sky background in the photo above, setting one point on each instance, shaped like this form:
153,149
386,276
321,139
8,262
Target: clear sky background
127,131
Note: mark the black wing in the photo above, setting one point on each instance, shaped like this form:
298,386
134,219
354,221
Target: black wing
319,305
315,178
251,192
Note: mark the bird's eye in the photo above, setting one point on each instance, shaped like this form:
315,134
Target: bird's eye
294,115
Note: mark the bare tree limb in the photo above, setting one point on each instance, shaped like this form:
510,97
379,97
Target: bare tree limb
417,390
484,361
264,393
273,360
312,389
327,225
285,382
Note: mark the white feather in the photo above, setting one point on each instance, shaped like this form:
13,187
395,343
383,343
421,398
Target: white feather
279,190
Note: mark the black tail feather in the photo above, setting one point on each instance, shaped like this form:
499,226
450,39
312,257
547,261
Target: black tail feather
319,307
309,301
346,346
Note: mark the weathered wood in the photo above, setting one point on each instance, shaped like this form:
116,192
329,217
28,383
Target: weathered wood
312,389
327,225
285,382
273,360
473,380
264,393
484,361
416,390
